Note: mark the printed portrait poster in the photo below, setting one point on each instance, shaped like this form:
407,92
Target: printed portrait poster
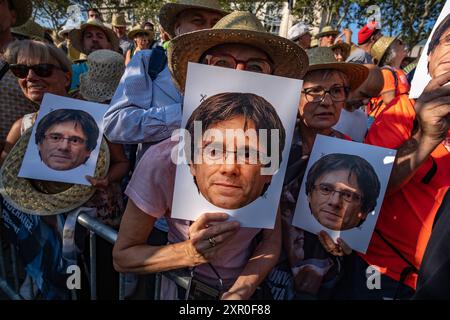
435,57
241,177
65,140
343,190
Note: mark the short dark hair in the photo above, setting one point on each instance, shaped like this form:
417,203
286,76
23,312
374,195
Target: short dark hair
443,26
94,9
366,176
86,121
224,106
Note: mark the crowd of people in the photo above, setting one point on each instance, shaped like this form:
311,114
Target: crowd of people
356,92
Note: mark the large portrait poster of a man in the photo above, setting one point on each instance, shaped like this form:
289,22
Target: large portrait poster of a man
65,141
236,134
435,58
343,190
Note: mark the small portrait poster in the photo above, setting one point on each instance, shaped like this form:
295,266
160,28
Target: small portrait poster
343,190
65,141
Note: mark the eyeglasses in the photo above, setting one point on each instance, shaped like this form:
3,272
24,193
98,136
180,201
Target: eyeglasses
43,70
57,138
228,61
317,94
348,196
216,153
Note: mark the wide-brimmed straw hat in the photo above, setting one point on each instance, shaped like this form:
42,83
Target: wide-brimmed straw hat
139,29
169,12
327,30
380,47
23,9
118,20
240,27
76,35
105,68
31,30
43,197
322,58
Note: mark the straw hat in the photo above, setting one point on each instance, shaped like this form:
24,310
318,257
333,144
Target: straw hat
76,35
138,29
322,58
327,30
31,30
240,27
380,47
43,197
170,11
105,68
64,30
298,30
23,9
118,20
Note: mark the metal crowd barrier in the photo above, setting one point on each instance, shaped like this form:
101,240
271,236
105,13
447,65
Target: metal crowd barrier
95,228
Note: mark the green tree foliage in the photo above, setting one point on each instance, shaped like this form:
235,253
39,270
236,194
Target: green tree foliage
412,19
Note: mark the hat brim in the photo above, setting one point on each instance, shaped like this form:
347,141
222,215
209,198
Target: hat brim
96,91
23,195
169,12
132,33
356,73
23,9
76,37
323,34
289,59
377,57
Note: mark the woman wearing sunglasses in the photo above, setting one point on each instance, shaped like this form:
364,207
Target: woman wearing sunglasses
42,68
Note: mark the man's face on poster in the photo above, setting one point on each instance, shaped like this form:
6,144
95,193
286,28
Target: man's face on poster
64,146
336,200
439,58
230,176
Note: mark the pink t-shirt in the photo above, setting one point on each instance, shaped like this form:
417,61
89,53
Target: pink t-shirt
151,189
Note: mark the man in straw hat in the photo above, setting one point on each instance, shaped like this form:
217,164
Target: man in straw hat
13,104
146,110
119,26
327,36
367,36
301,34
92,35
237,41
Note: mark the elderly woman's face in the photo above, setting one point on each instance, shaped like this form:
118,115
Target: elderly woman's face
322,112
34,86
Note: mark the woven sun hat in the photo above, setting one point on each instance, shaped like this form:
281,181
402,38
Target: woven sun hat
31,30
45,198
380,47
105,68
139,29
23,9
239,27
118,20
76,35
169,12
322,58
327,30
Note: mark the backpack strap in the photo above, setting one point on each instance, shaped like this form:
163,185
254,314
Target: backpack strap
394,74
157,62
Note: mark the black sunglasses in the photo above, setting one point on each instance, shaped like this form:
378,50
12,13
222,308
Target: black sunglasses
42,70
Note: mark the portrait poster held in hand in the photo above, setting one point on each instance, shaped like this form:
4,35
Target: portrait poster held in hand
65,141
435,58
237,128
343,190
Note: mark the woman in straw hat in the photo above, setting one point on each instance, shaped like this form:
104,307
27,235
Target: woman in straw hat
42,68
142,39
314,261
388,53
239,41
